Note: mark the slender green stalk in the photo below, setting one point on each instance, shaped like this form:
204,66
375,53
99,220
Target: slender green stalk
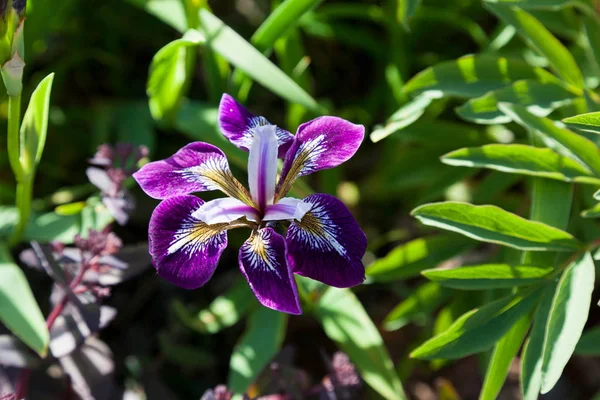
14,117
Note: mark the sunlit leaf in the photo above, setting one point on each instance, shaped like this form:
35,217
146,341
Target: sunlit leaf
493,224
502,357
244,56
542,41
543,4
402,118
19,310
568,315
347,323
35,125
406,9
521,159
419,304
488,276
259,344
171,12
478,329
593,212
540,98
571,144
472,76
168,77
589,122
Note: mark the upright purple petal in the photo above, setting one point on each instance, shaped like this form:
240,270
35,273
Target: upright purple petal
262,261
262,166
287,208
225,210
184,250
322,143
327,245
196,167
237,124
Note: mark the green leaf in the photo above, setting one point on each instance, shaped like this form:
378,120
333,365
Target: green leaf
568,314
280,21
421,303
589,122
168,78
542,41
35,125
597,195
593,212
19,311
259,344
244,56
347,323
535,4
502,356
532,355
589,344
407,9
488,276
478,329
223,312
494,225
521,159
472,76
405,116
540,97
571,144
409,259
170,12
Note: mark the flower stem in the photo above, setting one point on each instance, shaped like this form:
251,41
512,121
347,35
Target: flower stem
14,119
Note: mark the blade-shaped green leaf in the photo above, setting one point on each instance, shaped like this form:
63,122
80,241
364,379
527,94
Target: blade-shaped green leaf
597,195
532,356
589,344
35,125
423,301
19,311
168,78
493,224
502,356
244,56
591,24
568,315
347,323
410,258
571,144
259,344
280,21
472,76
541,40
488,276
406,9
540,98
171,12
535,4
405,116
593,212
521,159
478,329
223,312
589,122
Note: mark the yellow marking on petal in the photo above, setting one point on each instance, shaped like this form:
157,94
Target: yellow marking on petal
225,181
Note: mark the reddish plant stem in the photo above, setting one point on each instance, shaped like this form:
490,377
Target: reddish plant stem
23,381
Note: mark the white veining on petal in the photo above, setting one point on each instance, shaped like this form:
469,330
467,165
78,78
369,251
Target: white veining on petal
258,255
193,236
319,231
310,152
205,172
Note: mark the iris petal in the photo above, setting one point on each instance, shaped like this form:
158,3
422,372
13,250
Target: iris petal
322,143
327,245
262,261
287,208
225,210
184,250
196,167
262,166
238,124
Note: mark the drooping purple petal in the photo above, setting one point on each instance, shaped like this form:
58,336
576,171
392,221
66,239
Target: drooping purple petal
184,250
327,245
224,210
287,208
262,261
237,124
322,143
196,167
262,166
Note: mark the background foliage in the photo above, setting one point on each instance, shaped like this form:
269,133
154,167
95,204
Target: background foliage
478,202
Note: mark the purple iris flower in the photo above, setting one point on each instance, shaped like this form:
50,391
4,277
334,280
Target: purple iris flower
188,235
